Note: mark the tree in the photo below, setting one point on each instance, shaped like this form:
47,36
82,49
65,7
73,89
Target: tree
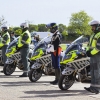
17,30
42,28
2,21
64,34
62,28
33,27
79,24
10,29
63,31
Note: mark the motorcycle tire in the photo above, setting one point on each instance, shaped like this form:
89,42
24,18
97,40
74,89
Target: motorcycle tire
65,82
8,69
34,75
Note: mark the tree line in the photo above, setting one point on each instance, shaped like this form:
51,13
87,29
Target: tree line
78,25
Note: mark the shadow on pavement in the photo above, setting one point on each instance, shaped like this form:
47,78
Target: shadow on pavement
10,76
19,83
56,93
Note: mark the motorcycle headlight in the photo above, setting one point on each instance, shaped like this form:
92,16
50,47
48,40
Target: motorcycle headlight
67,57
9,50
35,54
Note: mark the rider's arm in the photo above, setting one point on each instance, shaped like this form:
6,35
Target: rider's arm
97,48
24,38
5,38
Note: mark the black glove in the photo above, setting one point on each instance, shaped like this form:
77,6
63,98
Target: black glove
89,53
17,48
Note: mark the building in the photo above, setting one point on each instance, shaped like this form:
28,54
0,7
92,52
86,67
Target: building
41,34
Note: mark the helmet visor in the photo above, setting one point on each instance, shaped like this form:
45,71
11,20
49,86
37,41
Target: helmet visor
22,26
48,26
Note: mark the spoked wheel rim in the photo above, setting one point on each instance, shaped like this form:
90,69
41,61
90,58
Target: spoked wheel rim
35,75
67,82
9,69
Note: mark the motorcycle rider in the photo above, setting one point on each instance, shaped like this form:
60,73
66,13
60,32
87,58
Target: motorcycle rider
5,40
93,51
55,41
36,40
24,43
12,34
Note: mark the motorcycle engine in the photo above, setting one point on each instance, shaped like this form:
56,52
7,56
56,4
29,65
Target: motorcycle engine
49,70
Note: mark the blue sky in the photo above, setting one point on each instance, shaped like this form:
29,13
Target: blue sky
46,11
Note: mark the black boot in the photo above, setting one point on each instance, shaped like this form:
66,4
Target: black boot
25,74
92,90
57,76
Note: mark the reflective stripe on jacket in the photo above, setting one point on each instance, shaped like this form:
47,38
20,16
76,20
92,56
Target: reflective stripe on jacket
4,41
93,42
22,42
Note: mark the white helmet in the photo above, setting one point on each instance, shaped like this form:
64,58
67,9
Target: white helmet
24,25
94,22
5,27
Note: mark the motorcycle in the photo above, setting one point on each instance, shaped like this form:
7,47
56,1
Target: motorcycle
14,58
77,66
41,62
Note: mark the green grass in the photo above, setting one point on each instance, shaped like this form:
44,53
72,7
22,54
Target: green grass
84,45
63,46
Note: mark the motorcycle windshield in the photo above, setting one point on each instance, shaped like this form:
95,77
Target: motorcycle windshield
75,43
43,43
13,43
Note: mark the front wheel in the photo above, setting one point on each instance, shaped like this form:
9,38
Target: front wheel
9,69
66,81
35,74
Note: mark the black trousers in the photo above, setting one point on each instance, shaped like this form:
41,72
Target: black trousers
95,71
24,55
3,53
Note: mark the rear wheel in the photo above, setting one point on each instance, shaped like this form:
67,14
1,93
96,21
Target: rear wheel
9,68
66,81
34,75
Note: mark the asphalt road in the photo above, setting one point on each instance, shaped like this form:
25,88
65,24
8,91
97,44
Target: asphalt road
15,88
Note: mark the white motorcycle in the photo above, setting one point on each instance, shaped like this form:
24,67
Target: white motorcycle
14,58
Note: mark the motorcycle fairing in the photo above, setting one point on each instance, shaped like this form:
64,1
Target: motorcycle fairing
44,60
40,48
14,57
76,66
11,49
69,57
76,45
37,54
36,65
68,71
9,61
